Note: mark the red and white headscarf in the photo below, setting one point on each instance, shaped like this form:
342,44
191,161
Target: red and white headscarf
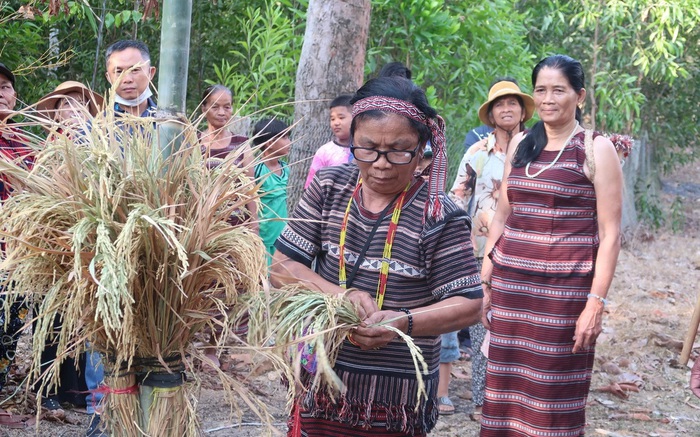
438,171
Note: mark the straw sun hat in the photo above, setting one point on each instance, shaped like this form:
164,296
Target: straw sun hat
506,88
47,105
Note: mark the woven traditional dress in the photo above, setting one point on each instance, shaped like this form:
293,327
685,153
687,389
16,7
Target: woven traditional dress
430,262
543,271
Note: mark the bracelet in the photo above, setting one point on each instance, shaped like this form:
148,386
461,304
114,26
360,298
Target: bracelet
602,299
486,283
410,320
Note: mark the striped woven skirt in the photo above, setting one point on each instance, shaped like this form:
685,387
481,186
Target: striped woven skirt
535,386
302,424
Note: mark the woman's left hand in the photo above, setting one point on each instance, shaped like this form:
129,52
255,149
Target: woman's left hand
589,325
367,336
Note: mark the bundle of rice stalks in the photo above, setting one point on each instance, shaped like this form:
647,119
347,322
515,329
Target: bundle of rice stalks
309,328
134,250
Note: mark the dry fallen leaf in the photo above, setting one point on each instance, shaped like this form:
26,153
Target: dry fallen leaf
630,416
458,373
610,368
607,403
620,390
58,416
630,378
608,433
664,340
663,433
658,294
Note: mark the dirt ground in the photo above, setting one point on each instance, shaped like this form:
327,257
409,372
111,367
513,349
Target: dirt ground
639,387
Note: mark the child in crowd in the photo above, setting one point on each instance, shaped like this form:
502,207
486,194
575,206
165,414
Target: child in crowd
272,137
337,151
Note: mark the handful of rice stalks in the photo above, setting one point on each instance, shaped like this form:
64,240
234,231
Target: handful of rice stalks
309,328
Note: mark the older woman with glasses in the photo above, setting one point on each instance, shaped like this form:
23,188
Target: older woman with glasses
402,246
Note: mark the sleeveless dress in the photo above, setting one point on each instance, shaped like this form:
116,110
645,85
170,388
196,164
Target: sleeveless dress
543,271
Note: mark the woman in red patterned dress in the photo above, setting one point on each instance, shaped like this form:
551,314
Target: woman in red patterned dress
552,251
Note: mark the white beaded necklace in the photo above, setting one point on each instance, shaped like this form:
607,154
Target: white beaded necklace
527,167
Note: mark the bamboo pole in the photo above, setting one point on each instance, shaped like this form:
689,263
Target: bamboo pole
172,95
692,332
172,72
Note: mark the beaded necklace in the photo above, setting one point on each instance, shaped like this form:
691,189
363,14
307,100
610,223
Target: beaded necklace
551,164
388,243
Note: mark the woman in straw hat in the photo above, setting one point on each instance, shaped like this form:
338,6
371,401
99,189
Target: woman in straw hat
476,189
399,249
552,249
69,104
65,110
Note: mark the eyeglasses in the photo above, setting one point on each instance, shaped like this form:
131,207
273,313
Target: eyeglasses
396,157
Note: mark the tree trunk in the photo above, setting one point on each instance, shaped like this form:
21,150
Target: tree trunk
332,63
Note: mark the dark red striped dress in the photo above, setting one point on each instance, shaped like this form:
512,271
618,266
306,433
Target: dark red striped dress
429,262
543,270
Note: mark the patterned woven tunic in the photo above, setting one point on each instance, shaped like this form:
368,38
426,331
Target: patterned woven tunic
543,271
429,262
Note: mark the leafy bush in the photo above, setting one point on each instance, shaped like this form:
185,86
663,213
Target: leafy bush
261,70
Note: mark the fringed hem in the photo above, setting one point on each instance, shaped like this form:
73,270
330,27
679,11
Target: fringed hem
402,417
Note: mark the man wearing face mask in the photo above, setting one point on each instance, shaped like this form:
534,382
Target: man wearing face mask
130,72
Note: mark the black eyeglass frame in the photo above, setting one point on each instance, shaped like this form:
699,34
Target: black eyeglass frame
385,154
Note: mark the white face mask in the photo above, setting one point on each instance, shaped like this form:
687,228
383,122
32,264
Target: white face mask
134,102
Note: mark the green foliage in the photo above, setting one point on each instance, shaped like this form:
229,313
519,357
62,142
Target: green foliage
648,205
262,66
22,47
639,56
47,50
455,50
641,69
677,215
122,18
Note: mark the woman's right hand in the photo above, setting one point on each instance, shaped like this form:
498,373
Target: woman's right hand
695,378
